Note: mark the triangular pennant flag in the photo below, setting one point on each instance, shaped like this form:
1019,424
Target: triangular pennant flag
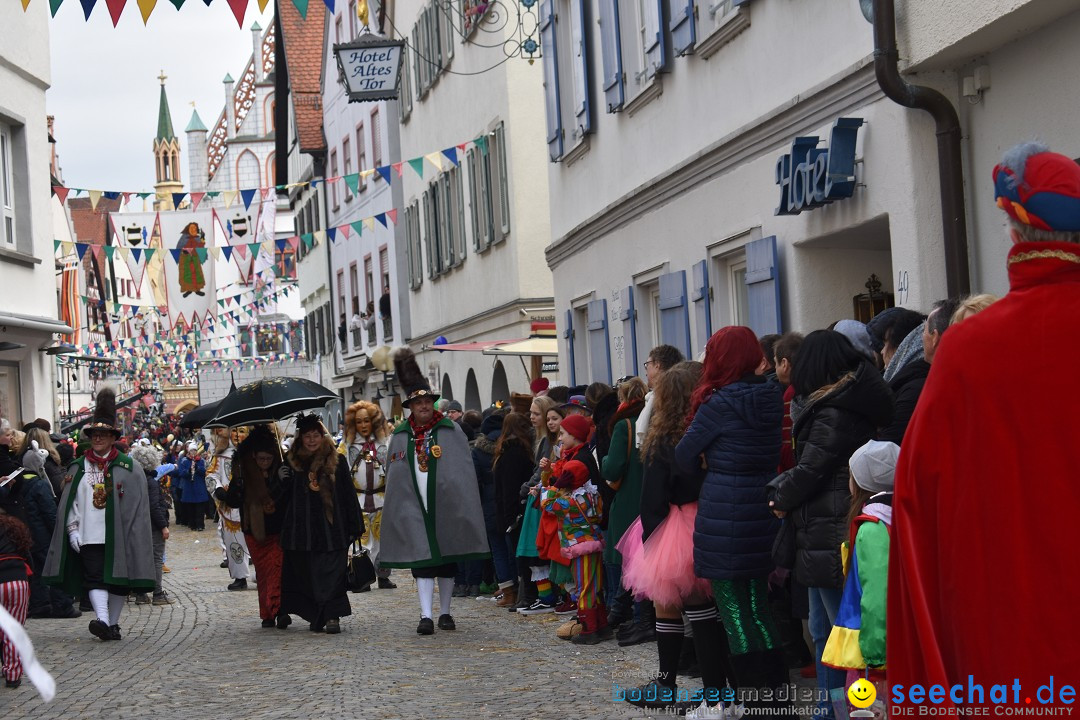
226,250
281,244
370,223
482,143
95,196
216,251
196,198
384,173
137,254
320,236
343,228
202,254
417,164
145,8
392,214
435,159
229,197
88,7
301,5
56,245
353,181
397,168
177,198
61,192
150,256
127,198
213,194
239,7
294,242
246,196
451,154
115,8
381,217
110,250
254,248
111,194
332,234
54,5
143,195
176,254
308,240
358,226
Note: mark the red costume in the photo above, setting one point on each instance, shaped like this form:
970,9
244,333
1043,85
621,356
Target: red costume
983,575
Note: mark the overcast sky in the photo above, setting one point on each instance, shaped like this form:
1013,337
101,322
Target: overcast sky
105,86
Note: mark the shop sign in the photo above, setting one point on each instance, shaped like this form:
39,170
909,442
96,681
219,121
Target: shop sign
810,177
549,367
370,67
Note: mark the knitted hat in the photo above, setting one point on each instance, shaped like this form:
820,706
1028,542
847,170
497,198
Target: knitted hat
856,332
1039,188
874,464
454,406
104,413
577,425
539,385
573,476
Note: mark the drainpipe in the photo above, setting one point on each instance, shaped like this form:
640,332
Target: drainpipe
947,128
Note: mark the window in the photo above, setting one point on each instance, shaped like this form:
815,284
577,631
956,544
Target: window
341,290
723,20
489,191
361,155
481,226
498,160
346,157
472,14
7,186
732,296
338,31
369,280
376,140
412,237
429,247
334,174
354,286
446,228
405,97
352,19
384,268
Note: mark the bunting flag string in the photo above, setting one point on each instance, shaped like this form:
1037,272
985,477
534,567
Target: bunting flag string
387,173
146,7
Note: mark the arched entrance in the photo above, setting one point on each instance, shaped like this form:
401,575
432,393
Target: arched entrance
186,406
500,388
447,390
472,392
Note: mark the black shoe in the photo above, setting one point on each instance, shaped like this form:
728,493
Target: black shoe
85,606
639,634
386,584
68,612
224,564
100,630
446,622
333,626
426,627
283,621
114,632
657,696
240,584
268,623
366,588
619,618
316,627
13,683
40,613
625,629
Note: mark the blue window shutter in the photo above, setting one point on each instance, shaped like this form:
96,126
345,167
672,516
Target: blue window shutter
629,324
599,344
568,334
611,52
583,113
656,46
763,286
699,294
683,26
550,50
674,312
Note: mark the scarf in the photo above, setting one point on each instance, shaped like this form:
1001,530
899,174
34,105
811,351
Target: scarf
419,436
256,498
322,464
565,456
100,462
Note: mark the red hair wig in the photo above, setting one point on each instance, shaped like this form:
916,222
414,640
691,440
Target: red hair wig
731,353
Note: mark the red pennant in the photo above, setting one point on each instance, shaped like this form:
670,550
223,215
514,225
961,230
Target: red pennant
239,7
196,198
61,192
115,8
397,168
392,214
344,230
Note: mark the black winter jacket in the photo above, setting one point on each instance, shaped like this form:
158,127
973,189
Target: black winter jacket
815,491
159,508
510,470
907,386
663,484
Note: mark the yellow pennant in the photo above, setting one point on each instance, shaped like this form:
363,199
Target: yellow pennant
370,223
320,236
435,159
95,196
229,196
262,5
24,4
146,7
216,250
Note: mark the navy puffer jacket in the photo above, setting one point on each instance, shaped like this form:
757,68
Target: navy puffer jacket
738,430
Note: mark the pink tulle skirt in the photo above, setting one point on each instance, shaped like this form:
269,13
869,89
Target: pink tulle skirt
662,569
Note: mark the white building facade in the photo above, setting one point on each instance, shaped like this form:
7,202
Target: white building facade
476,228
28,312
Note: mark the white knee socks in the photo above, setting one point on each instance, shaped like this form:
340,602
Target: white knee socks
99,599
116,604
425,588
446,591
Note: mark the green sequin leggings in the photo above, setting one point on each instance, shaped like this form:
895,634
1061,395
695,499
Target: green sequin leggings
744,610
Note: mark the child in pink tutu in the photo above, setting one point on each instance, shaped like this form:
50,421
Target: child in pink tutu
658,552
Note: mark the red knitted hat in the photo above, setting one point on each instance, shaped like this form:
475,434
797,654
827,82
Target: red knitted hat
578,425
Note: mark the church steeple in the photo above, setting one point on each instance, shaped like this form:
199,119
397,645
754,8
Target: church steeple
166,154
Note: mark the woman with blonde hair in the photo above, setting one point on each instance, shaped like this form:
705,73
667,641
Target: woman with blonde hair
972,305
364,446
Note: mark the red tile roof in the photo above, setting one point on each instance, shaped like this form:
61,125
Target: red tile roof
304,54
91,224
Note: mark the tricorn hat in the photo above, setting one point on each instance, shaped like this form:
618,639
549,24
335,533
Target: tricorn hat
104,413
412,380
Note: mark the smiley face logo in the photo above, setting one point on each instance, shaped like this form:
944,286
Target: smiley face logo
862,693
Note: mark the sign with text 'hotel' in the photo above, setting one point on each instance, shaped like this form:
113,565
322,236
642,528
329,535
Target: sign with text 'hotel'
370,67
810,177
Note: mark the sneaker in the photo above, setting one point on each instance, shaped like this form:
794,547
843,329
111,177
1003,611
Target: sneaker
240,584
446,622
333,626
566,607
426,627
508,598
568,631
657,696
142,599
538,608
704,710
161,599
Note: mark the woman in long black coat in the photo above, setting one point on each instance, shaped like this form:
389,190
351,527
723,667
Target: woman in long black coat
322,519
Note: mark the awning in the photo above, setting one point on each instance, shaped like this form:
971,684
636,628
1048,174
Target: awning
30,322
531,347
481,346
340,382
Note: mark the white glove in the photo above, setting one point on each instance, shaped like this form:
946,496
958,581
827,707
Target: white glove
75,540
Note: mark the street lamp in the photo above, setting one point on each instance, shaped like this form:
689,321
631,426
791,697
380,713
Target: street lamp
370,67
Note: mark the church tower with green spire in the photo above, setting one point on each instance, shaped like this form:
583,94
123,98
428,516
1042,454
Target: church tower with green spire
166,155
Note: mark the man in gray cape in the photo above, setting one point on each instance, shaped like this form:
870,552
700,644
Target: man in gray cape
102,540
432,518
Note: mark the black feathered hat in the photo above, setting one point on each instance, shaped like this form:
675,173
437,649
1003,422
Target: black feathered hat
413,382
104,413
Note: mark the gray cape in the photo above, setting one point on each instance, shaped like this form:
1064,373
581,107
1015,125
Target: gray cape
129,550
452,528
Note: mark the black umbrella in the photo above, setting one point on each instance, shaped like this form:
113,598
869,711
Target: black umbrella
270,400
199,416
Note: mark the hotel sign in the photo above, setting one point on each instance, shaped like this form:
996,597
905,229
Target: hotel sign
370,67
810,177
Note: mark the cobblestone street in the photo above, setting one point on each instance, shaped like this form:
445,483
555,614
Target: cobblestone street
206,656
